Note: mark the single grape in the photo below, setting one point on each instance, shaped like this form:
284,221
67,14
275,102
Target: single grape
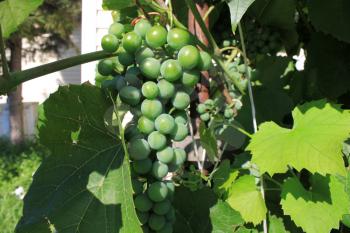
150,90
180,156
177,38
188,57
228,113
131,42
156,140
125,58
168,228
180,117
116,29
143,203
108,84
166,89
151,108
131,132
132,77
171,216
201,108
179,133
105,67
181,100
157,191
142,216
226,43
141,27
209,103
156,222
150,67
204,62
159,170
139,149
165,123
156,36
142,167
171,70
166,155
205,116
143,53
120,82
130,95
110,43
137,186
190,78
145,125
161,208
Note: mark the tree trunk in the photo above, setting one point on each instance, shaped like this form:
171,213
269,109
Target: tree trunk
15,97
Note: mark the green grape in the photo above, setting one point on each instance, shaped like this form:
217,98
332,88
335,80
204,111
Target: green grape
166,155
159,170
146,229
190,78
150,90
226,43
130,95
161,208
137,186
143,203
156,222
143,53
142,216
142,167
131,132
204,62
209,103
177,38
150,68
136,110
117,29
110,43
141,27
180,156
179,133
201,108
205,116
145,125
151,108
165,123
170,216
181,100
157,191
188,57
171,70
180,117
171,188
131,76
228,113
120,82
108,84
168,228
131,42
156,36
106,67
125,58
166,89
156,140
139,149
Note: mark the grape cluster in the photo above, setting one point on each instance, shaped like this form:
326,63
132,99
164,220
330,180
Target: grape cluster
161,69
210,108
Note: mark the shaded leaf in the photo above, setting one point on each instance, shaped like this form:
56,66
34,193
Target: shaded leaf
208,141
224,219
237,10
224,177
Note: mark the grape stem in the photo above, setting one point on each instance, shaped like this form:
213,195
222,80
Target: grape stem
194,144
5,68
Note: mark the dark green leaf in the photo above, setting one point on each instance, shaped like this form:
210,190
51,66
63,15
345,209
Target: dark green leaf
85,185
118,4
208,141
237,10
224,219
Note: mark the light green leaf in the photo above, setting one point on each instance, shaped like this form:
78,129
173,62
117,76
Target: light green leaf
314,142
245,197
237,10
224,177
85,185
337,20
208,141
318,210
14,12
276,225
224,219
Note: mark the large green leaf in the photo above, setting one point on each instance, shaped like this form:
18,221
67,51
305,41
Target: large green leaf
319,209
237,10
276,225
246,198
14,12
314,142
337,20
85,185
201,212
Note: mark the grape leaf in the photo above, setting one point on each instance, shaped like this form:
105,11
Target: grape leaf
314,142
200,212
122,4
223,178
14,12
208,141
85,185
319,209
237,10
245,197
337,20
276,225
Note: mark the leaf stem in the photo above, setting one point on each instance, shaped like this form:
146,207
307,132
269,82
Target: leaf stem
5,68
211,8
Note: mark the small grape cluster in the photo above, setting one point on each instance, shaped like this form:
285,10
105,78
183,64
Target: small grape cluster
163,68
210,108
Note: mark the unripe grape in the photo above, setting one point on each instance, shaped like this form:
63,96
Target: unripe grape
159,170
106,67
180,117
162,208
190,78
141,27
156,36
177,38
130,95
166,89
204,61
165,123
156,140
205,116
179,133
125,58
150,90
143,203
168,228
143,53
188,57
117,29
201,108
145,125
181,100
120,82
171,188
139,149
142,216
151,108
131,42
142,167
170,216
180,156
110,43
131,132
157,191
171,70
137,186
166,155
150,68
156,222
228,113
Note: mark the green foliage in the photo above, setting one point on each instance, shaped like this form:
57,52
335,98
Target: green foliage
14,12
317,135
276,225
307,208
237,10
85,184
208,141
